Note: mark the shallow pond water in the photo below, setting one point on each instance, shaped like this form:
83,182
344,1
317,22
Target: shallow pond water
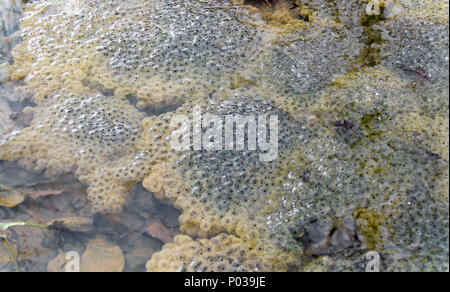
92,94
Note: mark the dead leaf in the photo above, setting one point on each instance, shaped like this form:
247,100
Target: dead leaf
39,194
157,230
10,200
101,256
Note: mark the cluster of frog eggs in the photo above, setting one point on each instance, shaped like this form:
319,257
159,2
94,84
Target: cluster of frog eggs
305,61
75,133
161,51
433,10
322,170
345,154
223,253
10,13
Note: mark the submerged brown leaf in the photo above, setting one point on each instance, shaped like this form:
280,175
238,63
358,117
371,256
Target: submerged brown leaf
101,256
39,194
74,224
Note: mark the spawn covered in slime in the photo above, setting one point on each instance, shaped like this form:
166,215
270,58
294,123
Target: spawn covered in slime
163,52
90,131
363,149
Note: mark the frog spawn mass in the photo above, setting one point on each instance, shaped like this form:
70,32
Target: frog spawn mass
224,183
161,51
351,12
339,146
224,253
322,172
